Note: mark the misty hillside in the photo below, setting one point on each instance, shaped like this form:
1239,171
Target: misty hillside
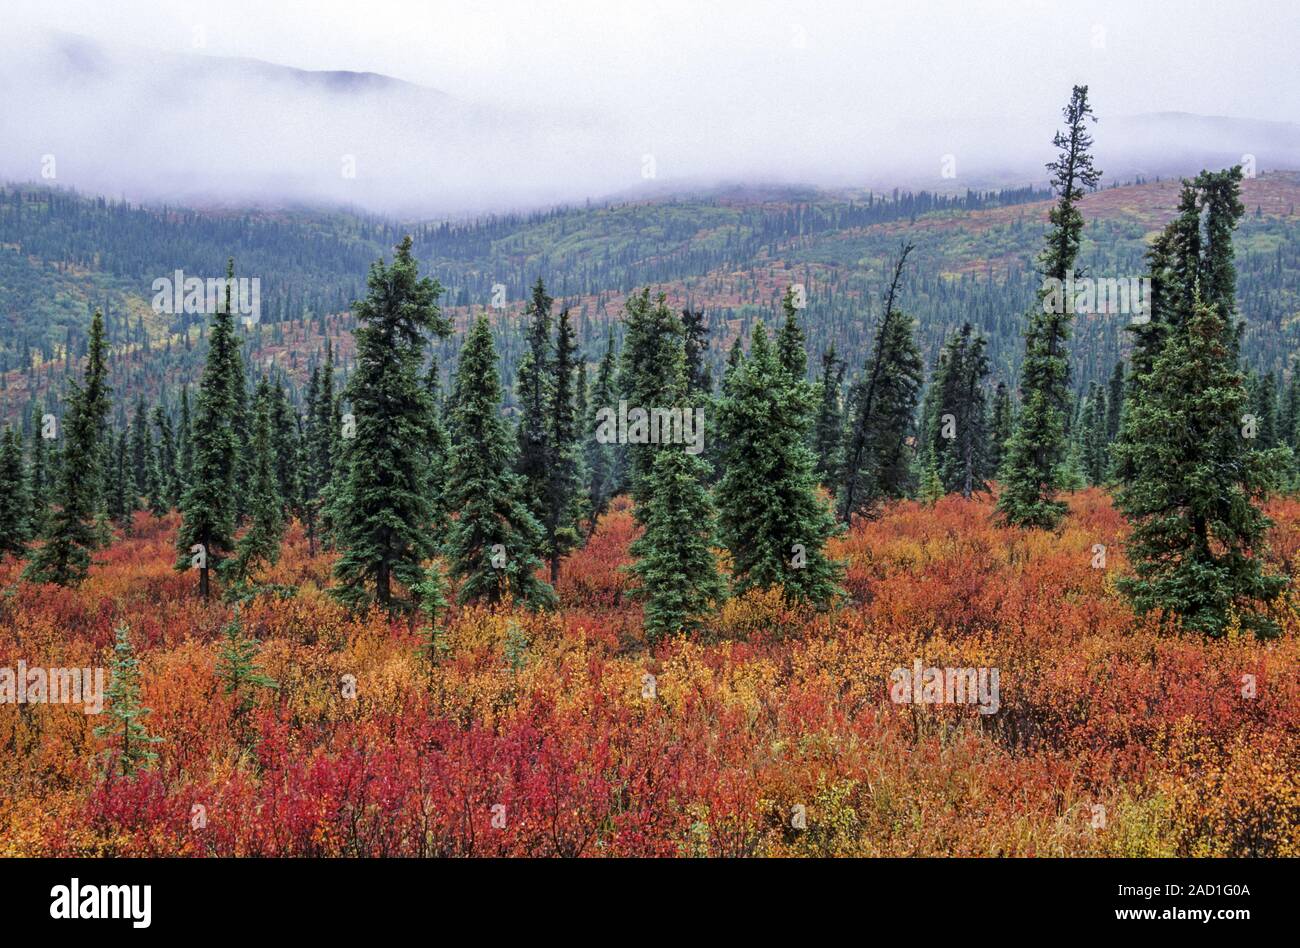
730,253
237,131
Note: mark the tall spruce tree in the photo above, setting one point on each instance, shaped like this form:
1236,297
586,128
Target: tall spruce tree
155,491
324,446
15,503
1092,435
534,387
676,567
70,531
184,444
699,379
241,427
956,438
652,334
564,460
1167,293
790,340
1262,390
141,444
828,423
383,509
1001,421
208,509
1289,420
39,481
881,407
581,412
493,543
166,457
437,447
1114,402
1194,497
310,476
260,544
770,516
1194,479
715,448
600,456
286,452
1038,445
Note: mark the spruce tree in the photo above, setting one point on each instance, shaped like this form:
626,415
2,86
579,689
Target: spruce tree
1194,478
130,741
1001,421
652,334
437,449
564,460
828,423
676,566
184,444
1289,423
15,503
208,509
956,436
39,481
285,451
432,595
581,412
1289,420
321,438
770,516
1195,493
241,428
260,544
71,532
599,456
930,490
1038,444
166,458
1179,241
155,490
325,447
882,403
715,447
790,340
1262,390
1114,402
240,675
1092,435
699,380
493,543
382,508
141,444
1070,473
534,386
310,481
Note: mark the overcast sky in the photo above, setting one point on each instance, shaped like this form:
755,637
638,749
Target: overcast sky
922,58
741,88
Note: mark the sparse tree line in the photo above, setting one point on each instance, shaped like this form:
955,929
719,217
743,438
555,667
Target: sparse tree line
414,487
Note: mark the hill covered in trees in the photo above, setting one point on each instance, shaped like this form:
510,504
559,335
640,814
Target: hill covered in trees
730,255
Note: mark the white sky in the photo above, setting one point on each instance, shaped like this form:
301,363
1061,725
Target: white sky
928,59
837,92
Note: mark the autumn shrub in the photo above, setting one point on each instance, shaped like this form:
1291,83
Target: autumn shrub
771,734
